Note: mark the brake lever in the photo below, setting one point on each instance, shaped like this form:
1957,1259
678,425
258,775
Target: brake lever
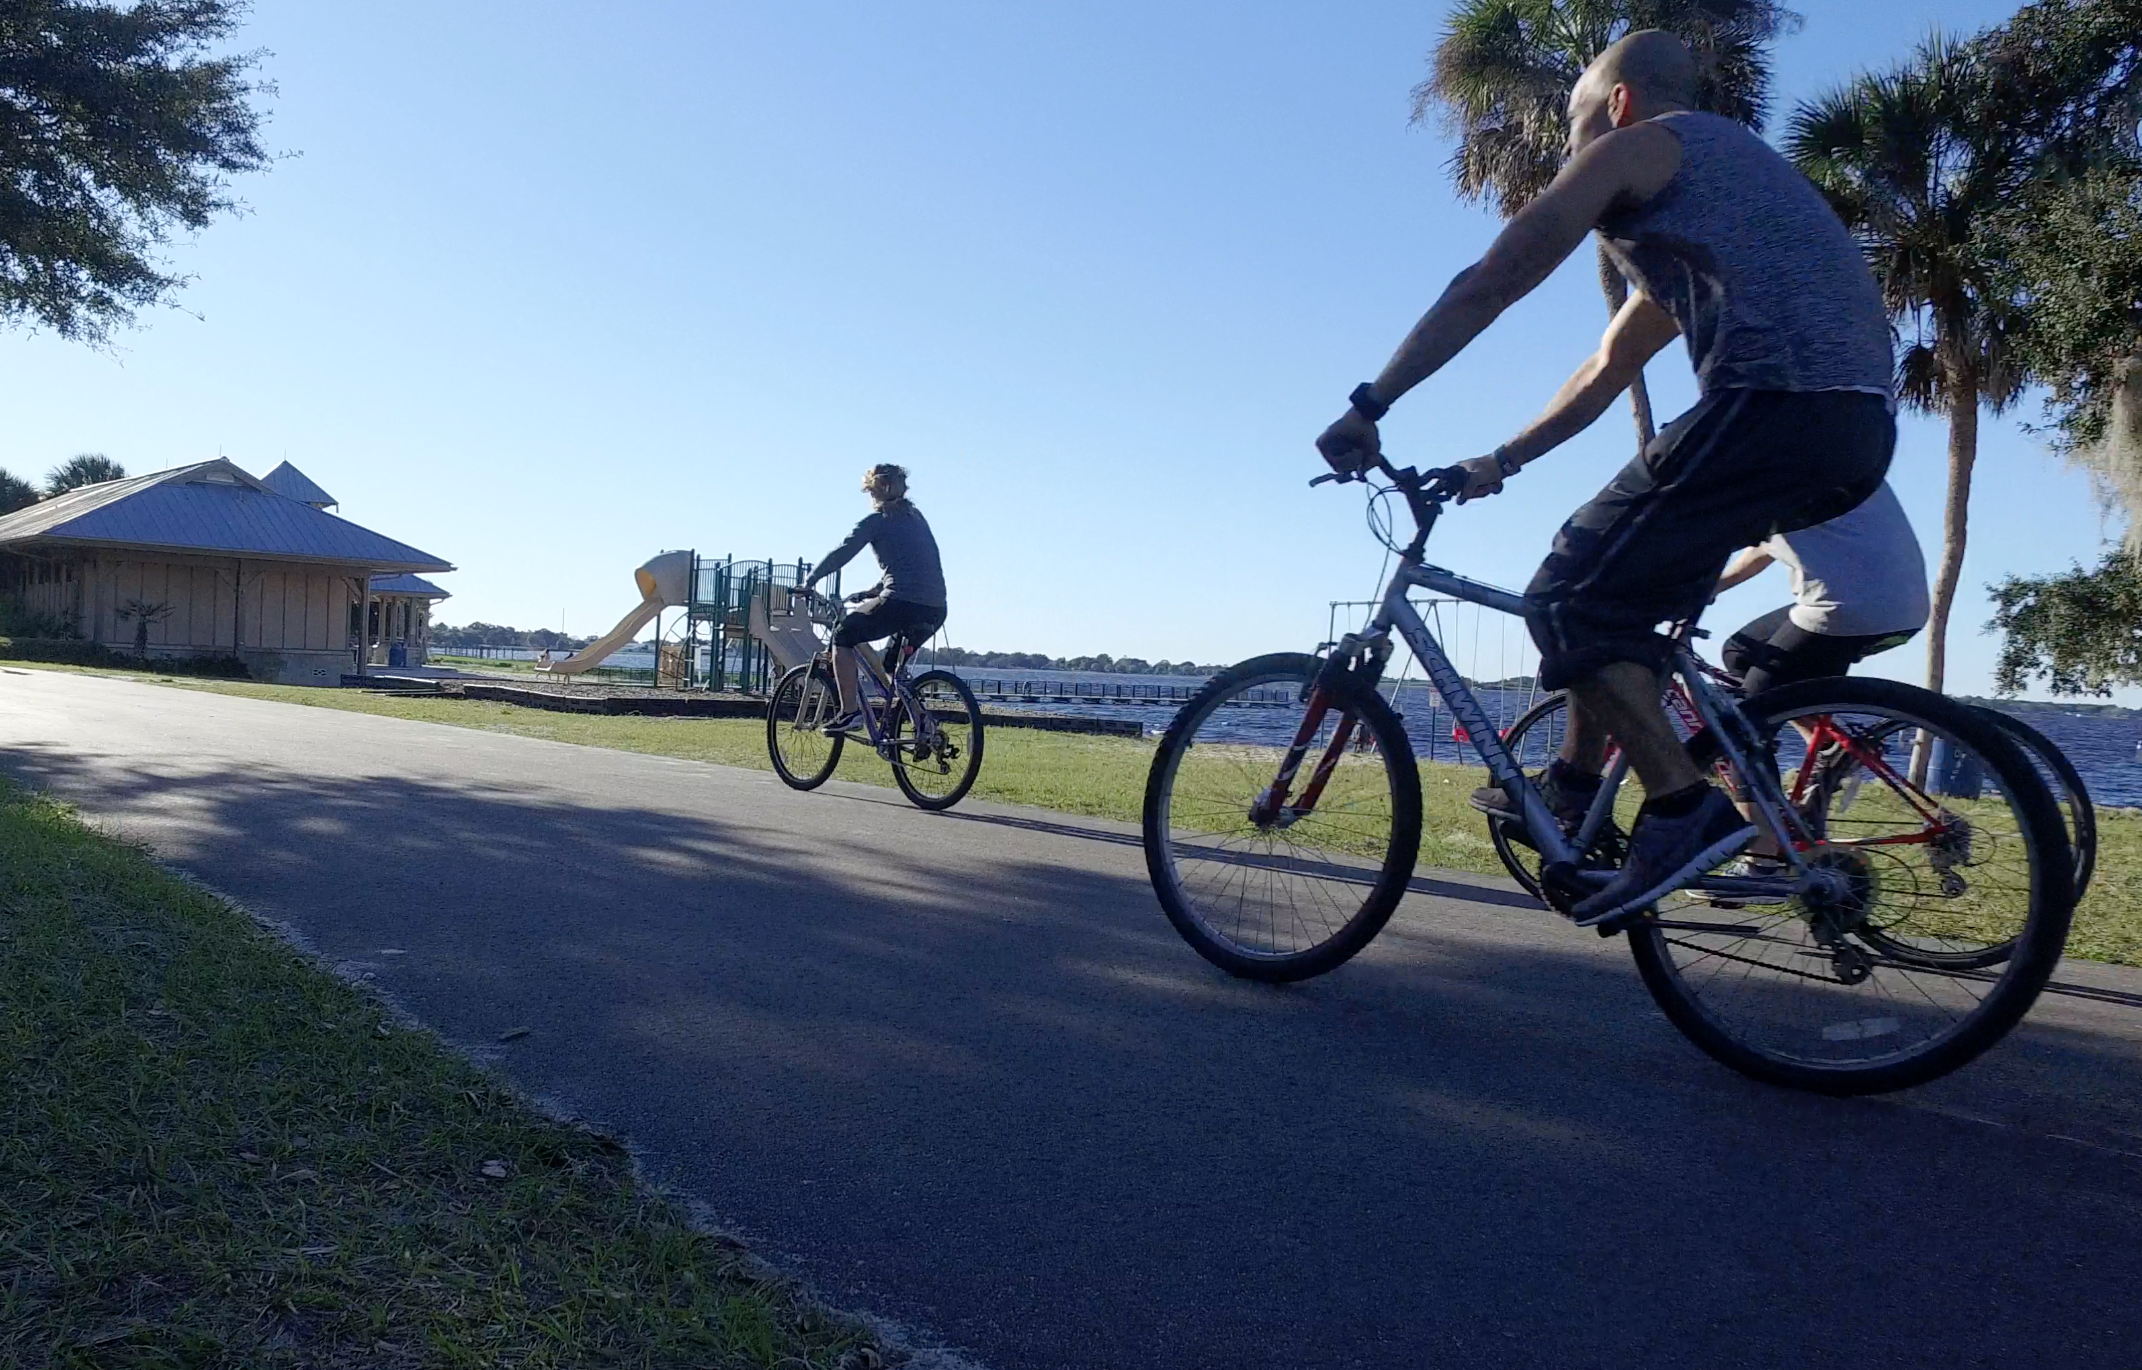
1328,475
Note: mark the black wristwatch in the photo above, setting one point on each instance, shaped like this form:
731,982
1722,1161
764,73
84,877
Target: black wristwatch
1506,464
1366,404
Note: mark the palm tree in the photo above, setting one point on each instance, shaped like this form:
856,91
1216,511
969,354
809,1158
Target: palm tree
90,468
1916,168
145,613
1503,73
15,493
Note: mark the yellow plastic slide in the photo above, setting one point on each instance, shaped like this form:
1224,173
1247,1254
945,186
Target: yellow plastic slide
663,582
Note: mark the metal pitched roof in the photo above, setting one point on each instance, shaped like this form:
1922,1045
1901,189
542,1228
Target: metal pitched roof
214,508
287,480
408,585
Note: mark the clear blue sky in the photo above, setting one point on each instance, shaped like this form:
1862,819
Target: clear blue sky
545,292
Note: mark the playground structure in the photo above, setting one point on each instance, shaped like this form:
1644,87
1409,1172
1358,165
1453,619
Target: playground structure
742,623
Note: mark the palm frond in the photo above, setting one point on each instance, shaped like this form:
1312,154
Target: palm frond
1502,74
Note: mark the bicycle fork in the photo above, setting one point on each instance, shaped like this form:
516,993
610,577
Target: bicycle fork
1270,808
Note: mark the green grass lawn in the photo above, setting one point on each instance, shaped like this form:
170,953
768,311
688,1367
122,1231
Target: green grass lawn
213,1153
1104,777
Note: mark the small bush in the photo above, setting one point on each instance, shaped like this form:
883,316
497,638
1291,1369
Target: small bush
75,652
18,620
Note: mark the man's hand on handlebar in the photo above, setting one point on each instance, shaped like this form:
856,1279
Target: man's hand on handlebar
1483,477
1352,445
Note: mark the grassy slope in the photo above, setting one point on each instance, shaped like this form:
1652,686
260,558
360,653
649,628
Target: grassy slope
214,1153
1104,777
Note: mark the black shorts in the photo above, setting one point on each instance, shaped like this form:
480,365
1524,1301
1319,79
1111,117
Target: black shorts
881,618
1736,469
1773,651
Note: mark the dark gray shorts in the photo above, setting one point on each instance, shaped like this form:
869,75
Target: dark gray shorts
881,618
1647,550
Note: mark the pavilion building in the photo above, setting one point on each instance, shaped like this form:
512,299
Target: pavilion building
206,560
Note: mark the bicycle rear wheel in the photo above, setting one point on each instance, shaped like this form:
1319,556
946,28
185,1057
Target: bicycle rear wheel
803,703
1292,893
1879,979
2077,811
935,757
2072,798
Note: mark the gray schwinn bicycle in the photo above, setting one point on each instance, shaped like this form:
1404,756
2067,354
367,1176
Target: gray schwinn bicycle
928,727
1907,932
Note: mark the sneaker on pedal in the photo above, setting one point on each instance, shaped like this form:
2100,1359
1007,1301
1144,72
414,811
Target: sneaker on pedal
848,724
1665,853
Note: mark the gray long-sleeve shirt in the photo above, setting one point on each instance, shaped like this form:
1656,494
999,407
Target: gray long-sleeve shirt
905,548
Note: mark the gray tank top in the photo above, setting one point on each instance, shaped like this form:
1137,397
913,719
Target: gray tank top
1770,290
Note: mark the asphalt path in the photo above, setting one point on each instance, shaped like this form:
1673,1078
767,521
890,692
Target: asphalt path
958,1072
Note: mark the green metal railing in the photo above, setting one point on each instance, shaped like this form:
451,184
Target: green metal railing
720,653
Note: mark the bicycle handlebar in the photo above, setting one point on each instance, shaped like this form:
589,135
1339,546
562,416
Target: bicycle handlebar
1434,485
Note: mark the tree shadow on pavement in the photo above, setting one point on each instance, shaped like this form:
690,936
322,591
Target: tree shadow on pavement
964,1074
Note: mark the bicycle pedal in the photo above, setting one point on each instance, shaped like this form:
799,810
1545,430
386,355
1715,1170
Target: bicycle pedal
1623,921
1563,889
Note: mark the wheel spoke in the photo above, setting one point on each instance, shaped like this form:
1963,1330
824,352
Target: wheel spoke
1299,891
1905,953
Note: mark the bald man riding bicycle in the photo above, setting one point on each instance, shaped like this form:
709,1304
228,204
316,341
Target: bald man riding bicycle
1726,245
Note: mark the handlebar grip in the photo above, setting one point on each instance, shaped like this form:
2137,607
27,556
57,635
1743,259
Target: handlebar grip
1447,480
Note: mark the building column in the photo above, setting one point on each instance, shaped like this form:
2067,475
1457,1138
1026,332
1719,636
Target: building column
364,623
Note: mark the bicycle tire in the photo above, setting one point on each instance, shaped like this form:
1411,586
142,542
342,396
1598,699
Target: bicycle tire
910,774
792,703
1385,881
2078,820
2081,814
2014,988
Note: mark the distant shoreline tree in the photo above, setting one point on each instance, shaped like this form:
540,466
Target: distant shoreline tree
121,124
445,637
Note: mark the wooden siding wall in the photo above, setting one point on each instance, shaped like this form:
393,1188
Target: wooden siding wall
51,588
278,607
200,596
296,608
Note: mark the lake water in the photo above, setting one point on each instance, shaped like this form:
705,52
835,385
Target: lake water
2102,748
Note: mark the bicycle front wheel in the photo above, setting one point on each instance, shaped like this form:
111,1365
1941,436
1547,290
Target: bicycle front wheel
1939,909
1273,887
936,753
803,703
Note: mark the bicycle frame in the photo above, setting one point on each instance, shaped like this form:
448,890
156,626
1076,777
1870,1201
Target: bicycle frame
1367,650
890,685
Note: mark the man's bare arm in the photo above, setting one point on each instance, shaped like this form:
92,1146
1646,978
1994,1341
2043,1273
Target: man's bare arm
1631,164
1635,336
1751,562
1627,166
